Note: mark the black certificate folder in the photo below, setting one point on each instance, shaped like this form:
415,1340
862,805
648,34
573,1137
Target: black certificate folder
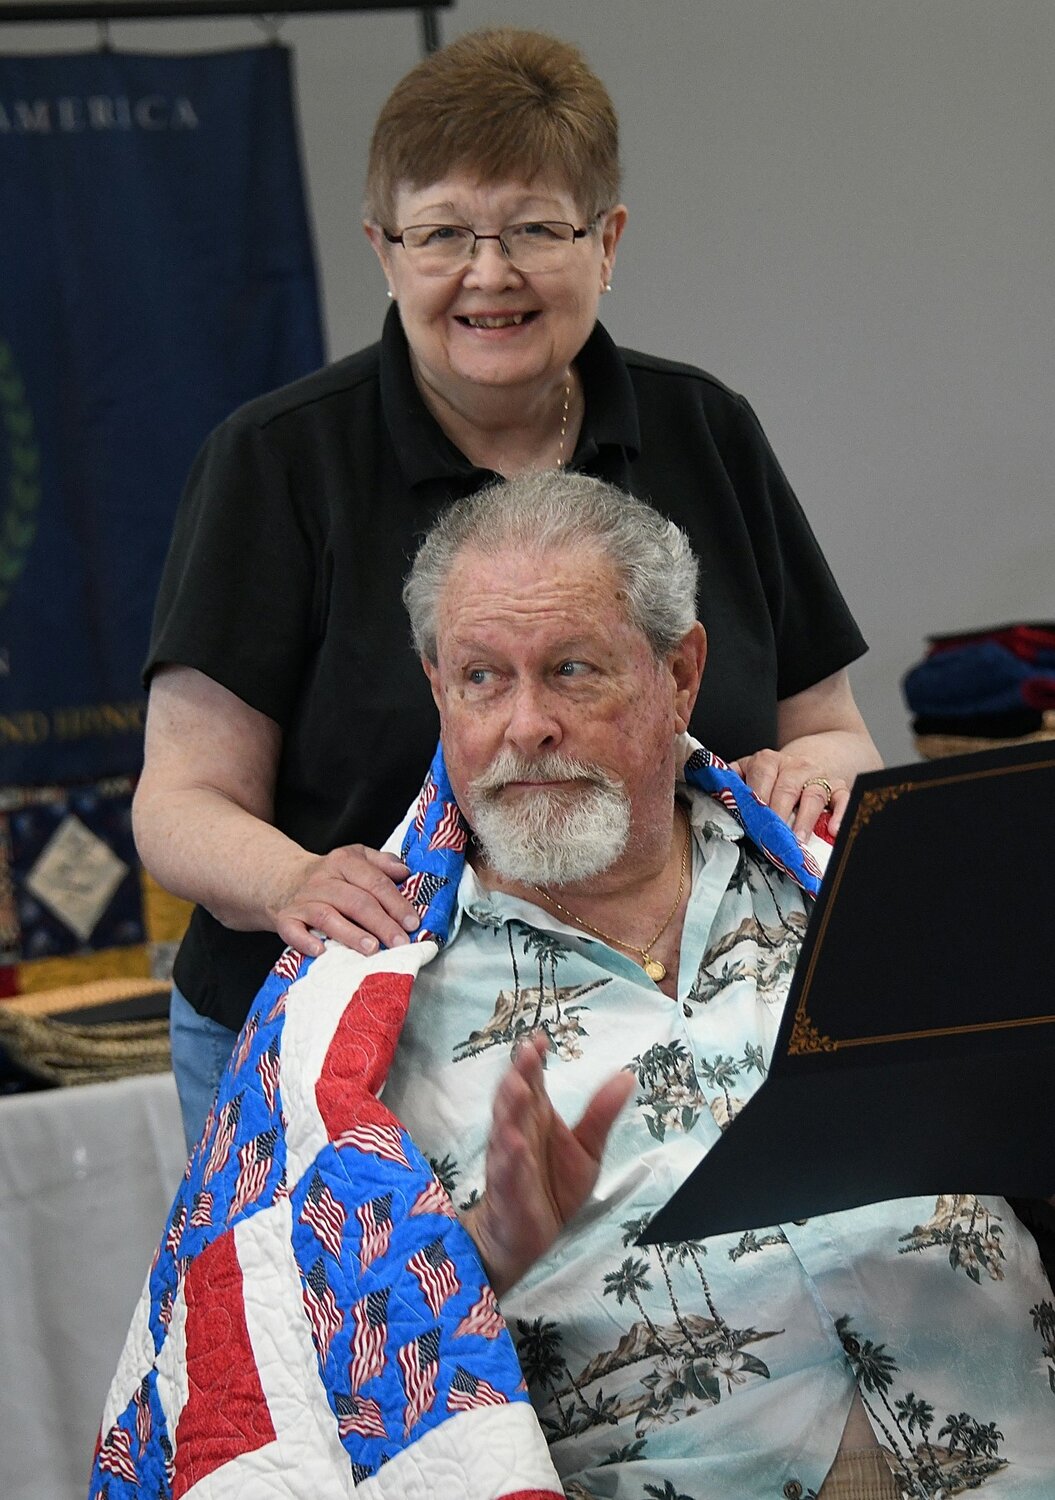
917,1047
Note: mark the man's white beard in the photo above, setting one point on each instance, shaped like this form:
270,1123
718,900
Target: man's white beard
548,837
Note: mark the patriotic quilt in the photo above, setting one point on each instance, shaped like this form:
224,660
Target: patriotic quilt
316,1321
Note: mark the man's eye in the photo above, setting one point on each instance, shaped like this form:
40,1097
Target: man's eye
572,669
478,676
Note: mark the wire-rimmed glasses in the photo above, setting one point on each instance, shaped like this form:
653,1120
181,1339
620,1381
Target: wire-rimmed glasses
444,249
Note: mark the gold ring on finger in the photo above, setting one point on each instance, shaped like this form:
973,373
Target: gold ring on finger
820,781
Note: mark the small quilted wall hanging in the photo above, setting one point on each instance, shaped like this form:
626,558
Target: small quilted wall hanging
75,903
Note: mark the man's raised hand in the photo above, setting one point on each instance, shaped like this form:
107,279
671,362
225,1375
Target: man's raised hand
539,1171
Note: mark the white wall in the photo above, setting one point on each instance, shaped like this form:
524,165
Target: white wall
845,208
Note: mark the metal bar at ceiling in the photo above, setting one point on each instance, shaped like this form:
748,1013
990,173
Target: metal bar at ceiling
151,10
430,29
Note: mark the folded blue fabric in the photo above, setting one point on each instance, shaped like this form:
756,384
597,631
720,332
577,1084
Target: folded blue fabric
983,678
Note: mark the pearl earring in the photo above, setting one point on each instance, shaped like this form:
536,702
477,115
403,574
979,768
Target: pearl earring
389,293
607,287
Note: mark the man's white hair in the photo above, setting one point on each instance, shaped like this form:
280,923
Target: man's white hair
548,511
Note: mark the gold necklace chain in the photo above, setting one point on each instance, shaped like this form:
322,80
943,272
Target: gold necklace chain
564,421
652,966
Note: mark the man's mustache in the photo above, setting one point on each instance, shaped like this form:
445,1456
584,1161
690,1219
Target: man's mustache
509,765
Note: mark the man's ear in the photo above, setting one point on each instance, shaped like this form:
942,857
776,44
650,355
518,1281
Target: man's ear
686,663
432,672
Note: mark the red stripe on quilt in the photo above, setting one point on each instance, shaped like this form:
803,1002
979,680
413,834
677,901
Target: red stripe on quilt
532,1495
360,1054
226,1413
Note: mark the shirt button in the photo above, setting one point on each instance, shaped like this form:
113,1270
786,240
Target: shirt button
793,1490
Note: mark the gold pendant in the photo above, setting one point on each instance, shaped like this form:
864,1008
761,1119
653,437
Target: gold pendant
654,969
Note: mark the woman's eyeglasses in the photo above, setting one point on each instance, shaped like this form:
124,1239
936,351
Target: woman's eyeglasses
443,249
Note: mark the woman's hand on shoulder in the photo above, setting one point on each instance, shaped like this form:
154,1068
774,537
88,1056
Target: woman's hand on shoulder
349,895
203,822
823,744
796,787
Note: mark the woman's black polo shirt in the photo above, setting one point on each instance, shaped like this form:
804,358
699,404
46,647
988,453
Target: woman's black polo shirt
299,522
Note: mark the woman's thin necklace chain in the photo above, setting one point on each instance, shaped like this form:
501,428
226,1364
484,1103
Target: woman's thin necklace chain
652,966
564,421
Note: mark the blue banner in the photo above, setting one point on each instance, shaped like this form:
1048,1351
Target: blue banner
156,270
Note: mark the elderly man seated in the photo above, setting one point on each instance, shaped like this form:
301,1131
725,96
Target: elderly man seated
616,920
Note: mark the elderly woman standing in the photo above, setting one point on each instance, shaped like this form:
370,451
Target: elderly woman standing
287,719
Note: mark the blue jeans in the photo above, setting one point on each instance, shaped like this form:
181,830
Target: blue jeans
200,1052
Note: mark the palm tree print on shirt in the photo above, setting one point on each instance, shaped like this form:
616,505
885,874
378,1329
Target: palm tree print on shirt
668,1492
762,946
670,1097
541,1356
970,1453
658,1371
446,1171
751,1243
724,1073
963,1225
1043,1315
523,1009
629,1282
715,1357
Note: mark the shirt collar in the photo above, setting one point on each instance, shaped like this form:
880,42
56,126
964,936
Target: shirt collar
611,407
435,836
710,823
424,451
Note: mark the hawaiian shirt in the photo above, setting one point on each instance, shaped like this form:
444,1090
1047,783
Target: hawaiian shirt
722,1368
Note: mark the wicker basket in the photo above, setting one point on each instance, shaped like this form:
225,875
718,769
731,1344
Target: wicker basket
48,1047
936,746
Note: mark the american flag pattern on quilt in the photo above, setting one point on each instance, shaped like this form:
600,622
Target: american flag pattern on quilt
316,1321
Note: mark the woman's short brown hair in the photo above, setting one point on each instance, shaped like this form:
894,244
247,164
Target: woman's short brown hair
503,106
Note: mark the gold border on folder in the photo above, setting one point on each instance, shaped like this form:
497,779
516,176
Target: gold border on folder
805,1037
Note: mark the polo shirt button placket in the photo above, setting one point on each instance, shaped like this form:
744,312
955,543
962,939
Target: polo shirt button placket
793,1490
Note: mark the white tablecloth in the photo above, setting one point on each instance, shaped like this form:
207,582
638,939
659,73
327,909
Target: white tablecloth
86,1178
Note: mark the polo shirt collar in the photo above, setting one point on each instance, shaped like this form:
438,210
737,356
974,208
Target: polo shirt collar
423,449
425,452
611,407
